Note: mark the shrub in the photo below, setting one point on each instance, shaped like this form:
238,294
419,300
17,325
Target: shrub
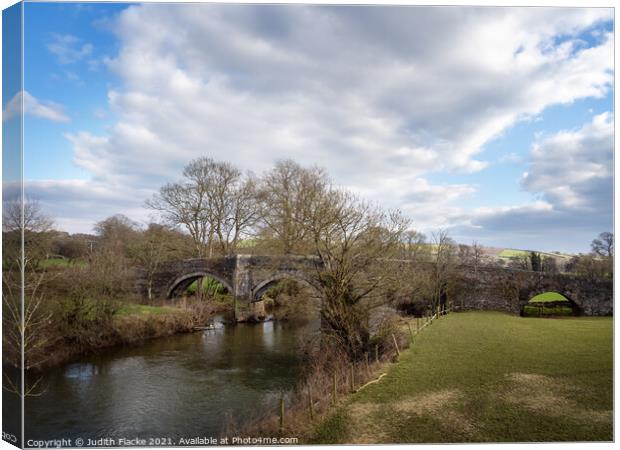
541,309
210,286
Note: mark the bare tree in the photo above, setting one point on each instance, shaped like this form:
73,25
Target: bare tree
186,204
28,222
27,215
520,262
415,246
443,268
472,255
590,266
354,243
232,205
604,245
153,246
214,203
71,247
24,333
116,231
285,195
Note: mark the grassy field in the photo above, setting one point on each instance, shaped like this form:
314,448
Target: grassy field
548,297
508,253
488,377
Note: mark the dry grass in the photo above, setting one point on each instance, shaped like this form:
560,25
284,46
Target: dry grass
368,427
549,396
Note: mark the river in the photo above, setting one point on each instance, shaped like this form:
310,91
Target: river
180,386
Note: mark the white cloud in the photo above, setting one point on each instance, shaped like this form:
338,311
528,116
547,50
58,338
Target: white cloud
573,172
349,86
379,96
574,169
33,107
68,49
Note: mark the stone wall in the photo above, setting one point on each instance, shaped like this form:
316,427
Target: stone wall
509,290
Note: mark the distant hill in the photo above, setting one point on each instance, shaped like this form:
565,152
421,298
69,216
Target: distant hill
508,253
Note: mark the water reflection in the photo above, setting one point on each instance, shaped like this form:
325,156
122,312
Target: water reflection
180,386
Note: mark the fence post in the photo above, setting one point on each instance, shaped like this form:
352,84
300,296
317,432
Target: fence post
376,352
410,331
310,405
334,392
367,363
281,412
352,379
396,344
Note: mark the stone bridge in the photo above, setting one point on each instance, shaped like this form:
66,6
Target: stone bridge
503,289
247,277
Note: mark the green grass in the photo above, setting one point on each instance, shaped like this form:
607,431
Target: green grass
511,253
120,308
548,297
533,311
508,253
488,377
131,309
60,262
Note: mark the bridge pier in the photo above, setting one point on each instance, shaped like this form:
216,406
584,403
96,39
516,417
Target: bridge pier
246,309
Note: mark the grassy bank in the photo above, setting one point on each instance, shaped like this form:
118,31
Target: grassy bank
488,377
130,323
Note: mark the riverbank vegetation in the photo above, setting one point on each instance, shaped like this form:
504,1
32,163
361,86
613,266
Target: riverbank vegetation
487,377
88,302
62,321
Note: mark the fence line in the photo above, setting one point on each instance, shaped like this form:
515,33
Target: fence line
314,400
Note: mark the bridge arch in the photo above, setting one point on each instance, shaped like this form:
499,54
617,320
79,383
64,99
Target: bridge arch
183,282
260,288
570,296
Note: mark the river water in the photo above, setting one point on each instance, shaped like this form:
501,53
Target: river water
182,386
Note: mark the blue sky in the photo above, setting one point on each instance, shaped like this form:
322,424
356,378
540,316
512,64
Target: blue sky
495,123
11,85
76,81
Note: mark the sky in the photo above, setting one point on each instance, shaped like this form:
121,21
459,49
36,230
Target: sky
495,123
